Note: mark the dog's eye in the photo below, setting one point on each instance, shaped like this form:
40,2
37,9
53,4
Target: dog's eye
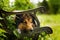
25,22
31,22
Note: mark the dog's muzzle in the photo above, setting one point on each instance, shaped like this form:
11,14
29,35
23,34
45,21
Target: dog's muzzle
24,31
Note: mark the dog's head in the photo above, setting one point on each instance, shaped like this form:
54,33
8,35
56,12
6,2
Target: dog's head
27,24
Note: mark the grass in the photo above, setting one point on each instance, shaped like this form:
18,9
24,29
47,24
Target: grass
53,21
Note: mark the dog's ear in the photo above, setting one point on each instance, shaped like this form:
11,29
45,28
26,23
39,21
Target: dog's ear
18,19
35,20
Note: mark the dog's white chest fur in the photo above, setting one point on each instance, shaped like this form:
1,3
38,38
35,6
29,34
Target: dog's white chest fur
19,31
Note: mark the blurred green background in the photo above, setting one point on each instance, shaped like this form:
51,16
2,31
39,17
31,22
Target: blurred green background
50,18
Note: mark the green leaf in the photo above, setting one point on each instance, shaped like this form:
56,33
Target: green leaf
2,31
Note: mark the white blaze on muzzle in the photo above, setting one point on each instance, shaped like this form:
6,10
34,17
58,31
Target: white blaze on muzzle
19,31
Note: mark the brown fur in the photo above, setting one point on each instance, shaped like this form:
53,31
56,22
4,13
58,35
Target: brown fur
27,23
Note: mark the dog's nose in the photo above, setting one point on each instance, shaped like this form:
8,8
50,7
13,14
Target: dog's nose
31,30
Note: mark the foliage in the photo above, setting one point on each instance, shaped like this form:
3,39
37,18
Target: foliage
2,36
18,5
4,4
45,4
2,32
11,22
52,6
55,4
25,4
1,4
